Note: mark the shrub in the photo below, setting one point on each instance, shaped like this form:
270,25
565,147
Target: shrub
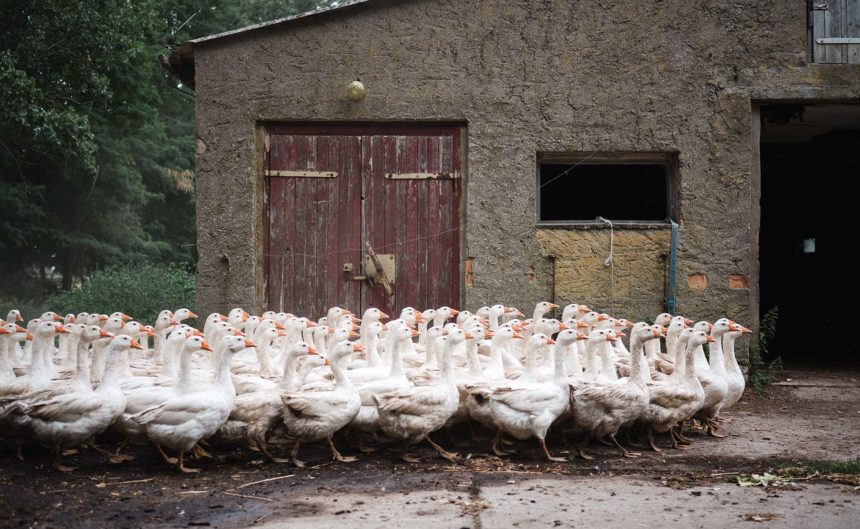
761,373
141,291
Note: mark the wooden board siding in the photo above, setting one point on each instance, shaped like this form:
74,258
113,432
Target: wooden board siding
836,19
413,217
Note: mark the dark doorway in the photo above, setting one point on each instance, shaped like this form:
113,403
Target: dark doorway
810,159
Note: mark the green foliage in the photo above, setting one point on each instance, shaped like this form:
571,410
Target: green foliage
851,466
761,373
96,140
141,291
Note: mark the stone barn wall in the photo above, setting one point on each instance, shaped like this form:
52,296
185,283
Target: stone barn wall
525,77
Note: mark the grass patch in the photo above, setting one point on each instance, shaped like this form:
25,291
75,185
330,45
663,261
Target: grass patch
850,467
762,373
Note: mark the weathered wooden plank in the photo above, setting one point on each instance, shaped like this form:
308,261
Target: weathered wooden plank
834,21
431,222
818,15
408,249
353,244
852,30
302,174
423,189
426,175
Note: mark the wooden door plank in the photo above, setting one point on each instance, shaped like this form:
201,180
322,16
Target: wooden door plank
852,29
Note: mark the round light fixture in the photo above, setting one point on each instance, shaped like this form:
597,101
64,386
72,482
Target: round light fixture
356,90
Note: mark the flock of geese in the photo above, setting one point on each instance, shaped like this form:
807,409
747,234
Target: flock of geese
66,380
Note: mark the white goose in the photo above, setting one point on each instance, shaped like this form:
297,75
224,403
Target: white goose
317,415
186,419
412,414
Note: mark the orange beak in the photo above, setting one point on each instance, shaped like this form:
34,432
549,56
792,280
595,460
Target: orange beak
29,336
745,330
18,317
454,312
581,336
550,341
415,333
173,322
311,324
222,317
4,331
517,335
60,329
489,334
620,334
584,308
582,325
383,316
237,332
195,332
326,362
102,317
249,343
331,330
312,350
104,334
125,317
609,338
135,344
57,317
72,319
150,332
419,318
602,317
553,306
657,334
205,346
18,328
357,347
353,335
192,315
281,333
688,321
468,336
508,310
520,315
562,326
279,326
711,340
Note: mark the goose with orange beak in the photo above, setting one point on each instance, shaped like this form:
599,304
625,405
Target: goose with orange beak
75,418
412,414
185,419
312,416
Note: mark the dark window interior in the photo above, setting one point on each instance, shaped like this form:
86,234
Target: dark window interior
571,192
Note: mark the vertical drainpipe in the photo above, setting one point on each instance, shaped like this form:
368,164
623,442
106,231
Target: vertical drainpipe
673,265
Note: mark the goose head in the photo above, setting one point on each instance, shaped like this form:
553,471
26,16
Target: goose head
463,314
81,317
663,319
373,314
164,321
698,338
300,349
91,333
721,327
183,314
543,307
374,329
675,329
14,316
429,315
121,315
50,316
568,337
736,330
342,351
445,313
703,326
69,319
192,344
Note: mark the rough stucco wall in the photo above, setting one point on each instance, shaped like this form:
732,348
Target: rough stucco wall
526,77
633,284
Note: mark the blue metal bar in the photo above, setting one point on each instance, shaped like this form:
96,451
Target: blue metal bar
673,265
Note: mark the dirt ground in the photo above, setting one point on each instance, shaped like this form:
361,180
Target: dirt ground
811,416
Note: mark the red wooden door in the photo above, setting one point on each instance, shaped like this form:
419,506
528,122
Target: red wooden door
396,187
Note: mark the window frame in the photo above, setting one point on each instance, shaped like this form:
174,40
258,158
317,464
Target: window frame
668,159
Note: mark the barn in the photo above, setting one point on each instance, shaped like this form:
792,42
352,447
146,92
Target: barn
636,156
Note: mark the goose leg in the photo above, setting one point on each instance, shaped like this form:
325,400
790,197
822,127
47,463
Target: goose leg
630,442
449,432
547,454
109,457
404,454
473,433
58,455
711,428
498,450
651,440
676,441
200,452
581,448
181,465
295,454
362,447
450,456
167,459
265,451
624,451
336,455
